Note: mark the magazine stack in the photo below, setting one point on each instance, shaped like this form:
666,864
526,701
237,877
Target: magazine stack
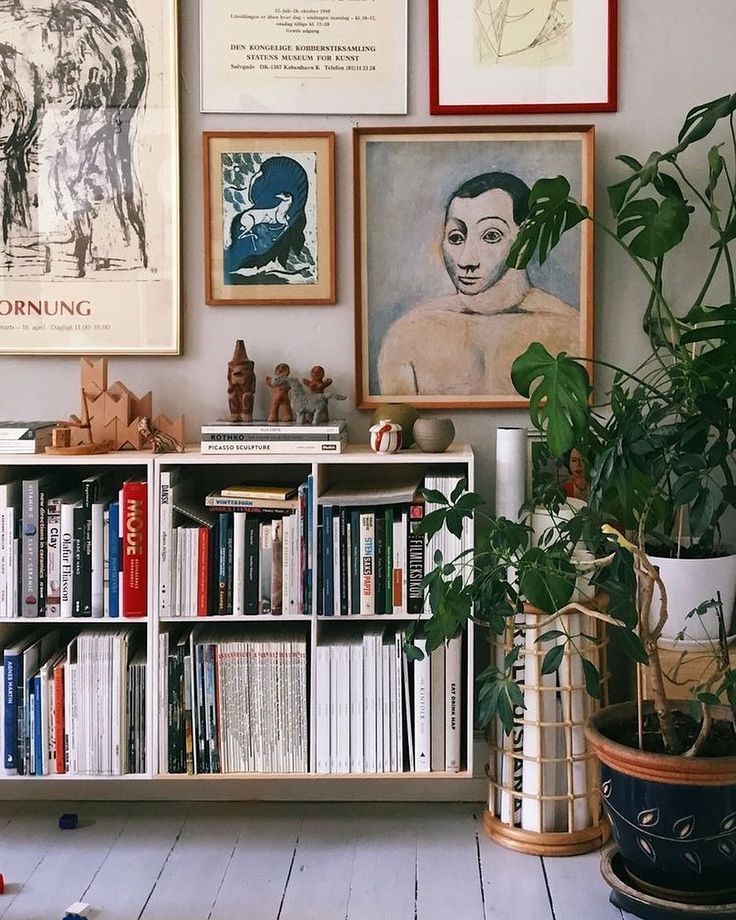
25,437
225,437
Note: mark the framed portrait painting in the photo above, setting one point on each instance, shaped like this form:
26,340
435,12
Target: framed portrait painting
439,316
90,181
269,218
522,56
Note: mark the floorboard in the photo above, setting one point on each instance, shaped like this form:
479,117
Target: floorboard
577,880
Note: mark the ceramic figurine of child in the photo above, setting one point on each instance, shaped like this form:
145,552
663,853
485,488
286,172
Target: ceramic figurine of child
317,381
280,408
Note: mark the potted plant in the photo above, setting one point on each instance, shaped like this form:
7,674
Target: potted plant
662,476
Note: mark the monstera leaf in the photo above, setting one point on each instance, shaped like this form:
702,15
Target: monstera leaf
701,120
558,390
653,227
552,212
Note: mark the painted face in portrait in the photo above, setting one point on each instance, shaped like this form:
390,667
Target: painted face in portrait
478,235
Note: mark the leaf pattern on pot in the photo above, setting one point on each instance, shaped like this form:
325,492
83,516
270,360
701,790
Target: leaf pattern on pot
693,860
606,788
728,848
647,848
729,822
684,827
649,817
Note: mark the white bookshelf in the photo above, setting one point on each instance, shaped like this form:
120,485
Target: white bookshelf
213,472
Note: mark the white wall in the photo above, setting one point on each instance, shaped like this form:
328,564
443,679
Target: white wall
673,54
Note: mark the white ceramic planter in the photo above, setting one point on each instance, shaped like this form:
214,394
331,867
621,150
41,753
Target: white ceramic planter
690,582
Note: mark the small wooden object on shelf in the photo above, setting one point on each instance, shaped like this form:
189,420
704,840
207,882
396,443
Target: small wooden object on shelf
61,437
241,384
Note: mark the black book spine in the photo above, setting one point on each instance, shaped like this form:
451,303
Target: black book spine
173,721
42,541
355,561
229,586
252,551
224,529
344,561
78,565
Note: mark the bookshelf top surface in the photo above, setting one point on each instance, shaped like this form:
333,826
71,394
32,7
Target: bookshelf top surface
114,458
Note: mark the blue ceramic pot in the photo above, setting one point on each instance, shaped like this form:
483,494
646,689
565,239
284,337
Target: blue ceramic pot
673,818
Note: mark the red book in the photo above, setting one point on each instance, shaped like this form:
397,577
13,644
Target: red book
59,740
203,571
134,519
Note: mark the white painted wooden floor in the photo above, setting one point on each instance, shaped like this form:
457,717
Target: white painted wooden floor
160,861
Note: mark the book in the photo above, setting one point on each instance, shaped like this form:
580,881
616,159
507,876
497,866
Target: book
453,703
437,707
34,445
241,437
225,426
114,559
10,505
134,520
273,447
372,488
422,711
12,689
22,431
68,502
367,563
251,605
220,502
415,560
35,492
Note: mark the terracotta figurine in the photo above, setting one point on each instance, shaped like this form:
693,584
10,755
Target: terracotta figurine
241,384
317,381
280,408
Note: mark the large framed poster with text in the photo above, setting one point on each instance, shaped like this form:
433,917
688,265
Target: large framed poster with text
89,178
303,56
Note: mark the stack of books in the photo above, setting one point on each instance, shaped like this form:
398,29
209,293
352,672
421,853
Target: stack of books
25,437
224,437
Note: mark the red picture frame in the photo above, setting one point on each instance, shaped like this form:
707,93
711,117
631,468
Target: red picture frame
486,97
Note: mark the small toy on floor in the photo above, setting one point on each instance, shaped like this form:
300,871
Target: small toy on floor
76,911
68,821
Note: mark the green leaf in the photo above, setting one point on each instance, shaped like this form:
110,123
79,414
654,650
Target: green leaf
701,119
431,523
432,495
701,513
716,164
552,212
592,679
631,644
469,502
558,390
685,488
553,659
546,579
458,490
654,227
412,652
710,699
454,523
631,162
550,635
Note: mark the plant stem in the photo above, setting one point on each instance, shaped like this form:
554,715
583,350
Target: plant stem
620,370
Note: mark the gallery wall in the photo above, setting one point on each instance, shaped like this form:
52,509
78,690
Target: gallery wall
673,54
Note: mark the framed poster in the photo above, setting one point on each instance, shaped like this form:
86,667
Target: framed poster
439,316
522,56
327,57
90,182
269,217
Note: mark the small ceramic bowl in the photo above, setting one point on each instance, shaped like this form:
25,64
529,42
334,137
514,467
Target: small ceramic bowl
433,435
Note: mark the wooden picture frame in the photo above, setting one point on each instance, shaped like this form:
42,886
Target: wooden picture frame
269,217
531,57
428,329
91,249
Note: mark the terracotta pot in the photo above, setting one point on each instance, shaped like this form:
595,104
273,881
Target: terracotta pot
673,818
433,435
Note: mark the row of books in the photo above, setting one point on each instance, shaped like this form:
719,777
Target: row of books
76,706
73,549
233,702
231,554
25,437
223,437
378,713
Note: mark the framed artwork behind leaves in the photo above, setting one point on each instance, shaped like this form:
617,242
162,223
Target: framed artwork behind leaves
439,316
522,56
269,218
89,151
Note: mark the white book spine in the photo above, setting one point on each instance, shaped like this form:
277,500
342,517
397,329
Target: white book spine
53,557
323,709
165,540
98,559
378,664
367,563
67,559
387,721
422,747
343,708
453,704
357,763
334,703
238,563
272,447
5,557
399,655
369,704
106,564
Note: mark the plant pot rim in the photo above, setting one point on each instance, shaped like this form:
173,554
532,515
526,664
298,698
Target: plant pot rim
657,768
729,552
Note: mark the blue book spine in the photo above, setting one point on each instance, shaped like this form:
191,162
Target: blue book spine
309,541
113,552
10,701
222,581
37,755
328,583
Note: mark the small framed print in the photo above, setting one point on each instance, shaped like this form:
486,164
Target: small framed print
440,317
522,56
269,206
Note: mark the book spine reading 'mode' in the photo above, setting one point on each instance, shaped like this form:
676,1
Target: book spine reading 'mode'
134,517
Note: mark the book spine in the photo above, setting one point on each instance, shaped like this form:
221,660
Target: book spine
437,706
106,562
344,564
235,437
277,567
239,563
10,712
422,725
354,561
29,549
114,558
453,704
43,499
252,558
135,541
265,563
5,610
53,558
36,765
379,575
287,431
78,586
367,563
165,518
273,447
66,591
388,560
97,558
415,561
203,565
222,553
230,566
58,703
328,565
310,537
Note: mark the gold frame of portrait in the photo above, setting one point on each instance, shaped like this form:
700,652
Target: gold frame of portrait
217,293
362,136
